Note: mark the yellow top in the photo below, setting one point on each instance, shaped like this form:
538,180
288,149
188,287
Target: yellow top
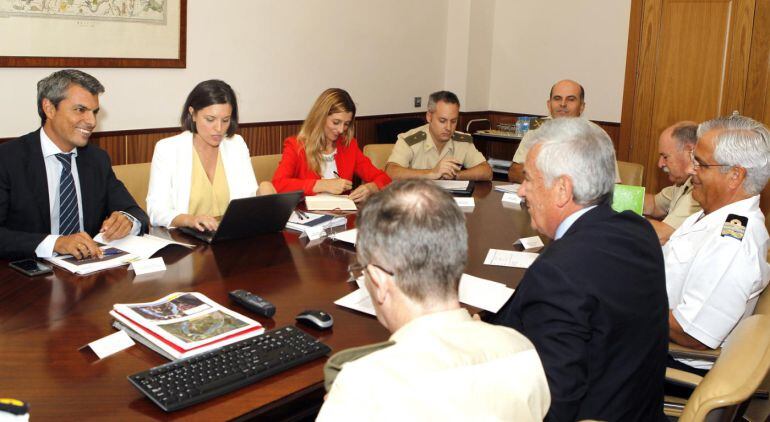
208,197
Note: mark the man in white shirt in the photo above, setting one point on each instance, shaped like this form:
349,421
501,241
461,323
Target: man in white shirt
442,364
56,191
667,210
716,260
566,99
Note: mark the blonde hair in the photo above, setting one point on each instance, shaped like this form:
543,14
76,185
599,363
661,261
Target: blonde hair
311,135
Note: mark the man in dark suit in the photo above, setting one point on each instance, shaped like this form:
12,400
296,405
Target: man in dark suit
56,191
594,303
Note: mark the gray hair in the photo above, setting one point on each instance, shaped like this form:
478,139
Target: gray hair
415,230
54,87
685,133
445,96
742,142
580,150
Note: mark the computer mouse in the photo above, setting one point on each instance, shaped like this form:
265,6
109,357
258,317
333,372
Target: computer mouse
316,319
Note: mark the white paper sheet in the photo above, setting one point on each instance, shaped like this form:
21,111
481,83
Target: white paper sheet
510,258
113,343
484,294
514,188
358,300
533,242
465,202
511,198
142,246
452,184
348,236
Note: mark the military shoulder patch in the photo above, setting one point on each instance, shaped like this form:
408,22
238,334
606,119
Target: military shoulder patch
416,138
462,137
735,226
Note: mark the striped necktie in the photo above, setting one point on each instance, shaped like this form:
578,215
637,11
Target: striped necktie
69,216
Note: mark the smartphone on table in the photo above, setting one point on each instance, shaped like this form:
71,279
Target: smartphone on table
31,267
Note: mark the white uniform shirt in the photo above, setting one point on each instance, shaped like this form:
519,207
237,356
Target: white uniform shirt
713,278
444,367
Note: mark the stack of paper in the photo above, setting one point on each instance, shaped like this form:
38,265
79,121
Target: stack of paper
510,258
183,324
326,202
112,258
306,220
452,185
514,188
142,246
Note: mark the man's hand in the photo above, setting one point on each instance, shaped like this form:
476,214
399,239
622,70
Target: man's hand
363,192
116,226
80,245
447,168
333,186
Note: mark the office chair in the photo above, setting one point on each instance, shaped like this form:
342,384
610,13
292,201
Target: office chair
630,173
264,166
136,178
737,373
378,153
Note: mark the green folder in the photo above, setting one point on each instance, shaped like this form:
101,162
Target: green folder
627,197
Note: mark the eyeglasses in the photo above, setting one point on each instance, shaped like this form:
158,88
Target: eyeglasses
696,165
357,270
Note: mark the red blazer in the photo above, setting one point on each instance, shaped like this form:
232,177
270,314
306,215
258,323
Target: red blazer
293,172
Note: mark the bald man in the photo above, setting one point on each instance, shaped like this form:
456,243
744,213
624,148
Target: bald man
667,210
567,99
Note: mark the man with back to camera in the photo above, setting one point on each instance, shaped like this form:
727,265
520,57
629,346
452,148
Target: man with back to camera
441,364
56,191
566,99
436,150
667,210
594,302
716,261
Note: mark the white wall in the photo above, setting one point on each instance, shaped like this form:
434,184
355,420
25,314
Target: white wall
538,42
279,55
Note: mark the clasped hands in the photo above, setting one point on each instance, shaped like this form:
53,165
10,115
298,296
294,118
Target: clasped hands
81,245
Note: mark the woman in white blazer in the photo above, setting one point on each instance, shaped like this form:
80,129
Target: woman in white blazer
189,169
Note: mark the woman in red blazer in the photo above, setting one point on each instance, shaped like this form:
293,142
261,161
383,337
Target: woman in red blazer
323,157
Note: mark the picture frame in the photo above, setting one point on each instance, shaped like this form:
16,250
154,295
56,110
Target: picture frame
93,33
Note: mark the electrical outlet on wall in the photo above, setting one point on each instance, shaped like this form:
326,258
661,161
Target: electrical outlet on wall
417,102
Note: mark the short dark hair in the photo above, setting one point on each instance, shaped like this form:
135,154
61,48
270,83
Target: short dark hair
209,93
444,96
685,134
54,87
582,92
415,230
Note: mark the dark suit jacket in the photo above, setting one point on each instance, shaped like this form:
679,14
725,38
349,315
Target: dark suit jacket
594,304
25,218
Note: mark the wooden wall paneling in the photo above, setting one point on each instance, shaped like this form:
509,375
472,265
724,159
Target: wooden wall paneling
757,101
140,146
629,86
115,145
738,54
262,139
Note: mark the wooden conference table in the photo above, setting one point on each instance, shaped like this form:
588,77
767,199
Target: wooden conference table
45,320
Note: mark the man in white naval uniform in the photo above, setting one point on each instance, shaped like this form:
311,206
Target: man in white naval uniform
716,260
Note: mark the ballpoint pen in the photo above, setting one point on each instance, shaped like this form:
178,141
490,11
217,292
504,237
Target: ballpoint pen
302,215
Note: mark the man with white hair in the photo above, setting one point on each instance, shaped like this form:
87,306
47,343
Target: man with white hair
441,364
668,209
716,261
594,302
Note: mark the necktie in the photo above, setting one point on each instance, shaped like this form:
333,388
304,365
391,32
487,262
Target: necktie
69,216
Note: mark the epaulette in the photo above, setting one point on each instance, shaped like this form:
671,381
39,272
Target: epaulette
735,226
462,137
416,138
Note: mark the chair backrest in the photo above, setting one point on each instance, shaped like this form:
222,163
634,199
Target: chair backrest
136,178
737,373
378,153
388,131
264,166
630,173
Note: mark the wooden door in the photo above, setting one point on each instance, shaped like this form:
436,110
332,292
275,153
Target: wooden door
687,60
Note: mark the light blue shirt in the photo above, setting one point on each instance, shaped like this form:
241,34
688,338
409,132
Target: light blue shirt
569,221
53,170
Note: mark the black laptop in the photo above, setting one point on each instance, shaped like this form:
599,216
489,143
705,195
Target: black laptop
247,217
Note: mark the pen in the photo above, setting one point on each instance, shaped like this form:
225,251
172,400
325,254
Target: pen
336,174
302,215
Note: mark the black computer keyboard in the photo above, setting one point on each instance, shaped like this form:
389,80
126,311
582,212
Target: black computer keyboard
184,382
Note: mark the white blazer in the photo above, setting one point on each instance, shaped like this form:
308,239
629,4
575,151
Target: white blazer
171,175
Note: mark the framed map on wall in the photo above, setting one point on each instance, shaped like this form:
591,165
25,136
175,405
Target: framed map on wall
93,33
